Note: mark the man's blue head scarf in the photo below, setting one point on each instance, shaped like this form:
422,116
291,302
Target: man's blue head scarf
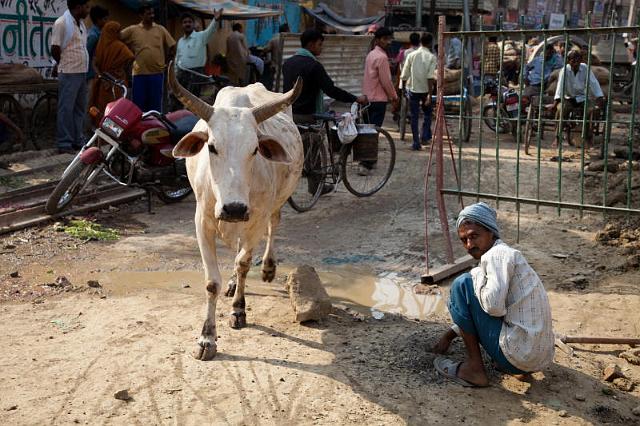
482,214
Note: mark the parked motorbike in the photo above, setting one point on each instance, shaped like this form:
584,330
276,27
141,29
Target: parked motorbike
509,100
132,148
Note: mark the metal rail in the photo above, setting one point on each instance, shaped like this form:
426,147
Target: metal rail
33,213
560,185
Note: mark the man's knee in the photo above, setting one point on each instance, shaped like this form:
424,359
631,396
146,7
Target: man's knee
462,283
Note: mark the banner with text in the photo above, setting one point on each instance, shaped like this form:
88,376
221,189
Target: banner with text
25,32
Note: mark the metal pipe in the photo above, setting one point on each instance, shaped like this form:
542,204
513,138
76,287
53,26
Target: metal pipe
519,128
632,125
607,135
584,115
481,107
594,30
419,14
498,115
545,203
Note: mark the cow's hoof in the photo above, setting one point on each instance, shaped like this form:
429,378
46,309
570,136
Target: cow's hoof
238,320
231,288
268,270
206,350
268,276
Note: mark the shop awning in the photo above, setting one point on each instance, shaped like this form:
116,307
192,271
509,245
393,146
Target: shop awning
324,14
232,9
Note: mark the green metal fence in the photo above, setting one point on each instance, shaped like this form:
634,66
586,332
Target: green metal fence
547,181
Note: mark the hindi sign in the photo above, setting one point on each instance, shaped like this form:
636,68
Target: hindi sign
25,32
556,21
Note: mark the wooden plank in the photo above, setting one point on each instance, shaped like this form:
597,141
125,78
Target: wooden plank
15,89
445,271
601,340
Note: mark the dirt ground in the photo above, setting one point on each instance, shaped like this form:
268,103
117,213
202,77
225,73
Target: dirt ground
67,348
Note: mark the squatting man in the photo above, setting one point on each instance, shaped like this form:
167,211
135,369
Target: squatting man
501,304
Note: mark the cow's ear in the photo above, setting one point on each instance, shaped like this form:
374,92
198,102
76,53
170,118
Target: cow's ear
271,149
190,144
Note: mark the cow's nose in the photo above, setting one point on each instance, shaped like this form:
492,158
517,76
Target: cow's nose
234,212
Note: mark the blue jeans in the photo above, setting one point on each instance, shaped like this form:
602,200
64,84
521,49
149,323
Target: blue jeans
415,103
147,91
72,107
375,113
467,314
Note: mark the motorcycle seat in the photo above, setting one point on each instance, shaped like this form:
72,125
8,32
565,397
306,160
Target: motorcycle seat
184,124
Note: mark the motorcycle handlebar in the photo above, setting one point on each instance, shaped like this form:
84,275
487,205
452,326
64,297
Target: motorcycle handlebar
111,79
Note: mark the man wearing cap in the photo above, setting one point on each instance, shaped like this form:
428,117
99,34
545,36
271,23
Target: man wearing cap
501,304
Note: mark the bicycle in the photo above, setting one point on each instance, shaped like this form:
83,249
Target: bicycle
364,165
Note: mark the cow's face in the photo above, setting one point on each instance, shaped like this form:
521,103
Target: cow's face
231,145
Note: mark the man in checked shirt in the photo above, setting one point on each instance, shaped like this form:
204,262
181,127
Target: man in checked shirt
501,304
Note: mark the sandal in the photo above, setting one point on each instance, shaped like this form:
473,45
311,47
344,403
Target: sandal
449,369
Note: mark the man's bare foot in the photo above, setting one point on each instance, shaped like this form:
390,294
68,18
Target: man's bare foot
443,344
473,373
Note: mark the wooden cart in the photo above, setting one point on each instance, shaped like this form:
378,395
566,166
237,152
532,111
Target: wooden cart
38,123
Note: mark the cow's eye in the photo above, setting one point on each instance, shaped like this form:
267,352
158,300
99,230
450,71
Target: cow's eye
212,149
255,151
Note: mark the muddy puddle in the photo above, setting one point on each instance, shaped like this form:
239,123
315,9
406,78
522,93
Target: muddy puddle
355,287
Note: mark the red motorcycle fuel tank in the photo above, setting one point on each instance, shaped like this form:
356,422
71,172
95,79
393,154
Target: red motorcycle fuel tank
122,113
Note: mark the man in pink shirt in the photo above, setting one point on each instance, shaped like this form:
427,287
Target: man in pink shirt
377,85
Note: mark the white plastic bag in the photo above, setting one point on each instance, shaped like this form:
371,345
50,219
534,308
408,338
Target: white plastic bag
347,130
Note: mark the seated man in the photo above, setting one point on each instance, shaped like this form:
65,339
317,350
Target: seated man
501,305
533,71
573,82
316,83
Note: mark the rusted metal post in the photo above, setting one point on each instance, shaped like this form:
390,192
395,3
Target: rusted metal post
439,141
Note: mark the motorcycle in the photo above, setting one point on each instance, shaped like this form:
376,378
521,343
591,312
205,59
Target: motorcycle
130,147
509,100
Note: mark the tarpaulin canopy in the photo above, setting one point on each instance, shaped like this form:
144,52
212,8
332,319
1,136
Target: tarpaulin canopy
232,9
324,14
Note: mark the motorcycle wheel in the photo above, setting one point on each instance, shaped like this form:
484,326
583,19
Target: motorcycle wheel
177,192
490,114
69,186
178,189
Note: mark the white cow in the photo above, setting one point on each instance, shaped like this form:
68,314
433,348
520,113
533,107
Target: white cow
244,158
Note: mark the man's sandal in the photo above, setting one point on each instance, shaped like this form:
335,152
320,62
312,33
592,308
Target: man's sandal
449,369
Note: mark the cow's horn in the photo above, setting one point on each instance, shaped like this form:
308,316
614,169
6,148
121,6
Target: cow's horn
268,110
188,99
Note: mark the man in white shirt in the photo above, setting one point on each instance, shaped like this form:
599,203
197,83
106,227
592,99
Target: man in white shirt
419,74
191,51
573,81
501,305
69,49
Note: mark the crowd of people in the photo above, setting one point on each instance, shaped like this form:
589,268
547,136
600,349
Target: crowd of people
137,55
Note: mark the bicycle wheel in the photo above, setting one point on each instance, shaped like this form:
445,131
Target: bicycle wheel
314,170
10,107
365,178
43,121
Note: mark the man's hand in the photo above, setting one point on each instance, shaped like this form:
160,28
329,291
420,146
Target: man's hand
362,100
217,14
427,101
600,102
